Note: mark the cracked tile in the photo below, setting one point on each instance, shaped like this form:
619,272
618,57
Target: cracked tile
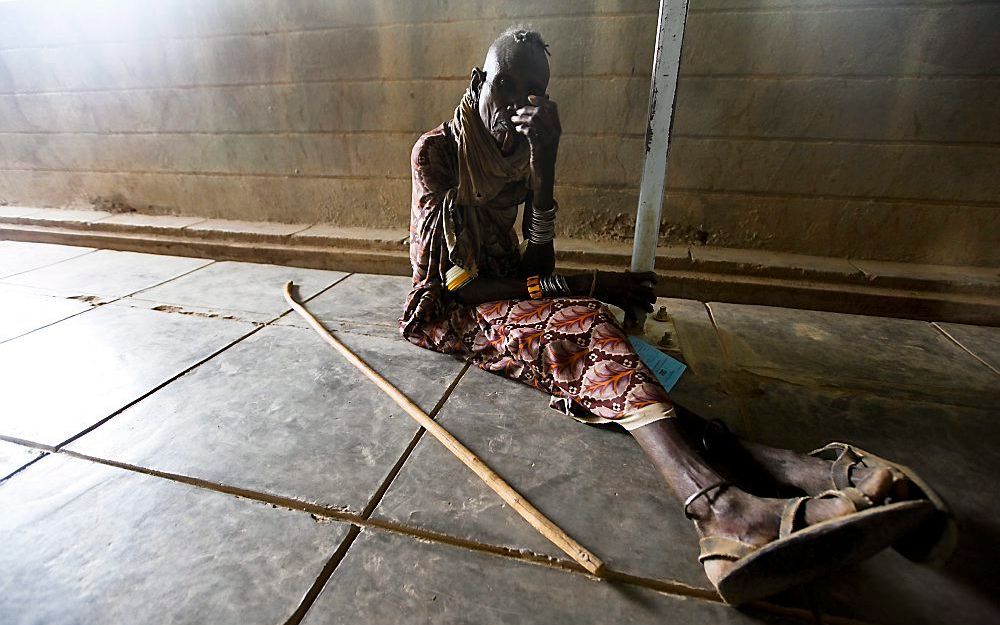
62,379
106,273
88,544
239,287
284,413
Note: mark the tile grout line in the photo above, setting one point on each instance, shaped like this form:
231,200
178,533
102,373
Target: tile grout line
94,306
257,328
345,516
158,387
417,436
665,586
355,530
963,347
53,264
23,467
240,339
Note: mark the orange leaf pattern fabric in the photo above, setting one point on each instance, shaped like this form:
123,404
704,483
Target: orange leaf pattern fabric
570,347
531,311
607,379
573,319
566,360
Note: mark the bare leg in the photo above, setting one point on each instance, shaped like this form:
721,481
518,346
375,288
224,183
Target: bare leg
730,511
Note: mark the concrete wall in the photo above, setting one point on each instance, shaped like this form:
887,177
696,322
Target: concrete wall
855,128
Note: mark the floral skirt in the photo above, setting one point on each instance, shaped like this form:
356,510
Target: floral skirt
570,347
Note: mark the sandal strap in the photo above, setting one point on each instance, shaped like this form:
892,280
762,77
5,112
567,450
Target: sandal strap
843,465
840,472
722,548
700,493
791,516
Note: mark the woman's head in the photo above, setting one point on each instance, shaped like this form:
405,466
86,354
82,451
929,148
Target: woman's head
516,66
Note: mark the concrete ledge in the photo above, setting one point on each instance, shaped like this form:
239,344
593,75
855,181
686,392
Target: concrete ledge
934,293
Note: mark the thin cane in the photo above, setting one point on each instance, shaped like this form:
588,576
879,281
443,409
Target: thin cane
511,497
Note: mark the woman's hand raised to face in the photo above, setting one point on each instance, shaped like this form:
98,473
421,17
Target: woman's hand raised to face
627,290
539,122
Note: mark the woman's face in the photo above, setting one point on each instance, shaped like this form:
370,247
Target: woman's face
509,76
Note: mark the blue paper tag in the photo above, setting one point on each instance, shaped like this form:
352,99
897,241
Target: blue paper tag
666,369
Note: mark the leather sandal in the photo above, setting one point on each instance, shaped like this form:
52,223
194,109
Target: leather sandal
935,540
932,543
802,553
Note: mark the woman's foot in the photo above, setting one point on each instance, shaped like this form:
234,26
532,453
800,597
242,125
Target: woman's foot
813,475
790,469
729,512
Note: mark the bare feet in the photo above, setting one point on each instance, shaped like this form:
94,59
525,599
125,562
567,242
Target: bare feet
801,472
732,513
812,475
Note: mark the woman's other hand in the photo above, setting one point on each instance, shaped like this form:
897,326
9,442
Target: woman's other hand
627,290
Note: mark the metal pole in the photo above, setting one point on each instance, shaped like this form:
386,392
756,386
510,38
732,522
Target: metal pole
662,95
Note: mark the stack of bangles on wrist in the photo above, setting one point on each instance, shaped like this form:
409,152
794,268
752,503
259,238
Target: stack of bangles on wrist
553,285
543,225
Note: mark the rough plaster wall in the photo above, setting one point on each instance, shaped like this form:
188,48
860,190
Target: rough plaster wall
852,128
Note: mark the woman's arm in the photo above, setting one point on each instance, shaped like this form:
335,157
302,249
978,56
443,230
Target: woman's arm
539,123
627,290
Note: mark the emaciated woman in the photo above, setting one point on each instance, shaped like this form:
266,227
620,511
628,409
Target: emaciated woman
480,294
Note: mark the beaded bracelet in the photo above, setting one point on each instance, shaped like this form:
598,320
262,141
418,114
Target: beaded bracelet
534,288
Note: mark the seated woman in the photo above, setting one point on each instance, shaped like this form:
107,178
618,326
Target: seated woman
476,294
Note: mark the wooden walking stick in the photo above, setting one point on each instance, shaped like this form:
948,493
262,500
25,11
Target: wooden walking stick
547,528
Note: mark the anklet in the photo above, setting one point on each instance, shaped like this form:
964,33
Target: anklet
690,500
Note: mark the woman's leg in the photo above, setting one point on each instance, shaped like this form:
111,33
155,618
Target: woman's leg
731,512
574,348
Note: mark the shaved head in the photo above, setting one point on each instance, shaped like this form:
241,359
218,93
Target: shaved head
516,66
518,47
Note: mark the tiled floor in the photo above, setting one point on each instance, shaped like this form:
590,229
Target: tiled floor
175,446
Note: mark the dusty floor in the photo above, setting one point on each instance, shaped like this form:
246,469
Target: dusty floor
181,449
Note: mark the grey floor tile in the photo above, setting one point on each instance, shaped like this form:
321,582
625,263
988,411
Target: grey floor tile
22,311
106,273
13,457
243,287
64,378
983,341
695,336
387,578
86,543
706,387
909,359
282,412
362,302
595,483
953,448
18,256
